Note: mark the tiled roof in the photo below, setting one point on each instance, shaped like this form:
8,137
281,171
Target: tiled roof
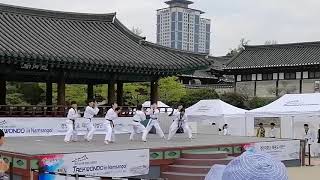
217,64
278,55
78,41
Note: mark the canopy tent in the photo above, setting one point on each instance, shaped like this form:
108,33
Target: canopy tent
159,104
162,106
293,110
219,112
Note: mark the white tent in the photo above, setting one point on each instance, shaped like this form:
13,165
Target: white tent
219,112
294,110
159,104
162,106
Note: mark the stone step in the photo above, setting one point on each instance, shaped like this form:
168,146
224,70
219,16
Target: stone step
205,155
189,169
182,176
202,162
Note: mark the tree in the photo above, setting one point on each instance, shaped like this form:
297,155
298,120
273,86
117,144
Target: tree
136,31
243,42
235,99
171,90
195,95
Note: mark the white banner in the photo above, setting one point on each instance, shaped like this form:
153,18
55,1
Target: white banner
99,164
281,150
15,127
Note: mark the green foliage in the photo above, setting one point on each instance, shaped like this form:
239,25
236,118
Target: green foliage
235,99
136,93
171,90
195,95
76,92
257,102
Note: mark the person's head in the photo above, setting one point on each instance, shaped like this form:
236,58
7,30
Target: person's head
91,102
225,126
250,165
1,137
117,109
74,104
306,126
139,107
261,125
114,105
272,125
182,111
180,107
213,124
154,106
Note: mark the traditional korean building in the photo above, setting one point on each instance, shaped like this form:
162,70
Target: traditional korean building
74,48
274,70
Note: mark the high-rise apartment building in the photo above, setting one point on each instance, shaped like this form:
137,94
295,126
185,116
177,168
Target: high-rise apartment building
181,27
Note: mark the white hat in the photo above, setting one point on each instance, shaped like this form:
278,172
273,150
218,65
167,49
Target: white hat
250,166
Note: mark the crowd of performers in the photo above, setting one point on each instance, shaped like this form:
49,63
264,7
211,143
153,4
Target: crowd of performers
180,120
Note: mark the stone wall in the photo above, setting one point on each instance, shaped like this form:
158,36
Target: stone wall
246,88
266,88
308,85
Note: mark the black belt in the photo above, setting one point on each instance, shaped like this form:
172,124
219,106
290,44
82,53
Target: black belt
153,118
111,122
135,121
73,123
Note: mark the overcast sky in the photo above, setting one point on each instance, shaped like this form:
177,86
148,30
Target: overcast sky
256,20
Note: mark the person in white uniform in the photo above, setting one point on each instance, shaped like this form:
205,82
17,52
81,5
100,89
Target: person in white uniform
153,122
273,131
226,130
71,123
310,137
181,120
90,111
111,115
137,127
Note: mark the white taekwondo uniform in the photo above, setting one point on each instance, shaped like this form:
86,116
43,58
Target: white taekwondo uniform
154,121
111,115
88,116
71,125
179,121
136,123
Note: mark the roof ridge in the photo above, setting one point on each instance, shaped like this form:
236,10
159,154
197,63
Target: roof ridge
148,43
55,14
307,43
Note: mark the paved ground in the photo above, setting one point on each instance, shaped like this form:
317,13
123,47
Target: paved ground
306,172
55,144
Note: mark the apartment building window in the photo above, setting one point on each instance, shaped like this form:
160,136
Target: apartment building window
246,77
290,75
268,76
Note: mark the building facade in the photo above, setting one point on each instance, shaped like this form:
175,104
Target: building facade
275,70
181,27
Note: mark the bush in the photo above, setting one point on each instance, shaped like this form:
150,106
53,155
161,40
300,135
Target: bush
257,102
235,99
195,95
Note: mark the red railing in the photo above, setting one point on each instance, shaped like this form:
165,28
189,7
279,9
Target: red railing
59,111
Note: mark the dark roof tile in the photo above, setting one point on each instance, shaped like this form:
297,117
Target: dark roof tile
278,55
96,41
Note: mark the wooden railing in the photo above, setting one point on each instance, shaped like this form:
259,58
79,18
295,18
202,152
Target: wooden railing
60,111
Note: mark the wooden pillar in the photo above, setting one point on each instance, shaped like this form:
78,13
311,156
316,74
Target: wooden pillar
3,92
154,95
120,93
49,93
255,89
61,92
111,93
90,91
